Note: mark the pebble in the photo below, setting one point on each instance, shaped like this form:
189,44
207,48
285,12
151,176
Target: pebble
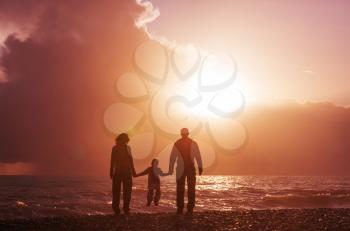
300,219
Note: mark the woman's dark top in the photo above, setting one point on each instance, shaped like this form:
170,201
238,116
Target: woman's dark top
121,161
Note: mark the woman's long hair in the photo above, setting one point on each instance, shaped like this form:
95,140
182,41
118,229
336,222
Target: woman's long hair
122,138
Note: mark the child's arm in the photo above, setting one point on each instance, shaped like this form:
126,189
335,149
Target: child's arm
145,172
161,173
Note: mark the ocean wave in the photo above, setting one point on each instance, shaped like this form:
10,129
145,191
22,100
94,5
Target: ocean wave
316,200
23,197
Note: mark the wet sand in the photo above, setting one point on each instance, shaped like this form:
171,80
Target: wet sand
289,219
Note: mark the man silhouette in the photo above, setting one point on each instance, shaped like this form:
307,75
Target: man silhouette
185,151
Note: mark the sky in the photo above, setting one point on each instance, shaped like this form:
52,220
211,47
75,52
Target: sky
295,50
60,63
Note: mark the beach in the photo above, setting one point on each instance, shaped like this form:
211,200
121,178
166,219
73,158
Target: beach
223,203
286,219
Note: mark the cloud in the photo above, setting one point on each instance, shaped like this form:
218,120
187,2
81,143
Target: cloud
149,15
293,138
60,78
19,17
17,169
2,76
309,72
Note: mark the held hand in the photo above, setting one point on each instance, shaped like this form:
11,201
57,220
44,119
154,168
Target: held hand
200,171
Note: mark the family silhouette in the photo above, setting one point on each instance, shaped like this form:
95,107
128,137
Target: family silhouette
185,153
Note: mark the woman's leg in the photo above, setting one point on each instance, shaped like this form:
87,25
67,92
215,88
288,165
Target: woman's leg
116,186
127,187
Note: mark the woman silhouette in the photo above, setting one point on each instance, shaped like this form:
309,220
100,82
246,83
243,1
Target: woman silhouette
121,172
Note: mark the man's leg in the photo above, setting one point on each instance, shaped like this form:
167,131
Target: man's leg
157,196
116,186
127,187
191,191
149,195
180,192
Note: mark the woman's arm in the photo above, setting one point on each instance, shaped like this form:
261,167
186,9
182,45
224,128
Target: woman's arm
111,170
145,172
132,162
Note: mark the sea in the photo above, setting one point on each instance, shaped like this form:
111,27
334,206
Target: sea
43,196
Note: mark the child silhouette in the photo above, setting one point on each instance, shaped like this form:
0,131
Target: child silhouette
153,173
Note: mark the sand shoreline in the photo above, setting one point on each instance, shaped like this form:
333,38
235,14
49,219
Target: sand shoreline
286,219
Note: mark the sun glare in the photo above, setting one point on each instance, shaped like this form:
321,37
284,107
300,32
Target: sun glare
212,91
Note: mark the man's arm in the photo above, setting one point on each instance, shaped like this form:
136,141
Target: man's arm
111,170
161,173
172,159
198,157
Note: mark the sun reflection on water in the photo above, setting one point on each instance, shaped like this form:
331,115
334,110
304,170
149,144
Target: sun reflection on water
217,183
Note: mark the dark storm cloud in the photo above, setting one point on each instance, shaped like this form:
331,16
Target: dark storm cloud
17,11
60,77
